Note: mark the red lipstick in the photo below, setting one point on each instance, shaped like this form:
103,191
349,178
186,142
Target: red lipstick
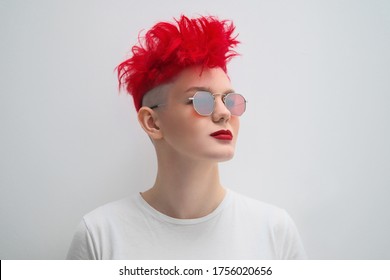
222,135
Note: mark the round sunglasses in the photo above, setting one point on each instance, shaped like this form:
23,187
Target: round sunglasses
204,103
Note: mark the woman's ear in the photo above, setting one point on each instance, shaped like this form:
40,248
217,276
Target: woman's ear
149,121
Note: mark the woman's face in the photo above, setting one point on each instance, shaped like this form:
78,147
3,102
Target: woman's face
185,133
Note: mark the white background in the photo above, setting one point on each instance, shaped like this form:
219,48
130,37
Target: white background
314,140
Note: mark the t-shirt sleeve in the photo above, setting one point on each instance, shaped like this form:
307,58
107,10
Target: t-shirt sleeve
290,244
82,246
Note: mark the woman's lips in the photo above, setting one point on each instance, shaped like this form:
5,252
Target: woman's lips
222,135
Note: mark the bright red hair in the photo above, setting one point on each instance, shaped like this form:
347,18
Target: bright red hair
168,48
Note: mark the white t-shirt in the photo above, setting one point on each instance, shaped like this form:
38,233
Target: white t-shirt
239,228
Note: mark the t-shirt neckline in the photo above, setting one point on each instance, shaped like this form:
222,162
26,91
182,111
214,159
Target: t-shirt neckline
163,217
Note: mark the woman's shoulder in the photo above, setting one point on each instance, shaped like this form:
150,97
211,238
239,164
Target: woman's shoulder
114,210
258,211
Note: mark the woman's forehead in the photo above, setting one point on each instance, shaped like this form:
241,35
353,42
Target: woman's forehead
194,79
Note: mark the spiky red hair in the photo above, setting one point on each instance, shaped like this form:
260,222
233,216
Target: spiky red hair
168,48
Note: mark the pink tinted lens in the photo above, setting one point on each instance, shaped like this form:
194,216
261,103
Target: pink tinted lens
235,103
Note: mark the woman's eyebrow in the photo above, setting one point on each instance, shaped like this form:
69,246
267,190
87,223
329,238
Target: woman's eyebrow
192,89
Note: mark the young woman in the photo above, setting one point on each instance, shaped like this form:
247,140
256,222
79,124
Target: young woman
188,107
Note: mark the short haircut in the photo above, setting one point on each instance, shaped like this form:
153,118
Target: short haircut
168,48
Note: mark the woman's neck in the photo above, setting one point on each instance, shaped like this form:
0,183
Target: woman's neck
186,189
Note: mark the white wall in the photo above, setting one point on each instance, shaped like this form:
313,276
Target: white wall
315,138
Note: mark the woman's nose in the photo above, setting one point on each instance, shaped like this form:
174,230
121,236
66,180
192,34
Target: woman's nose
220,111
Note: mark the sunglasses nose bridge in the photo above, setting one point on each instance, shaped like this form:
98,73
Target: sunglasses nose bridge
219,98
220,106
